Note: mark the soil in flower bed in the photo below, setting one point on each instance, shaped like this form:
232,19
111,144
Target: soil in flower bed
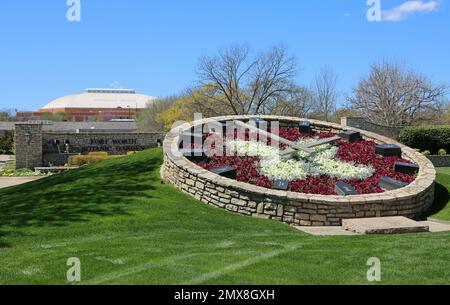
360,153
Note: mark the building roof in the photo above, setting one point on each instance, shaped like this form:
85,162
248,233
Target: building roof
102,98
74,126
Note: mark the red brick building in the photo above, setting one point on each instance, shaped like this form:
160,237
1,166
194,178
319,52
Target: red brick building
94,105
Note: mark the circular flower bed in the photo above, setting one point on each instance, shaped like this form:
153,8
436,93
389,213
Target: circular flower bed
312,176
318,172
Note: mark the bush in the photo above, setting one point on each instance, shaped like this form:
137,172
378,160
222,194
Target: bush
83,160
426,153
431,138
442,152
94,157
98,154
7,143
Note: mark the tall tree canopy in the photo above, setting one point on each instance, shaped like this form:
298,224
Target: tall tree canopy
394,96
244,83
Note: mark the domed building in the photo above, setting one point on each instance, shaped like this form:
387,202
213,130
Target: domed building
95,105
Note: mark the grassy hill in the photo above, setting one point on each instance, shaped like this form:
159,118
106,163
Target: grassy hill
128,228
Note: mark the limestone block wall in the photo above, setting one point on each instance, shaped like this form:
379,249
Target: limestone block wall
36,148
440,161
114,143
28,144
296,208
362,123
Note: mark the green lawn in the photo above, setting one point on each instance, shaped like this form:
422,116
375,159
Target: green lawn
126,227
441,208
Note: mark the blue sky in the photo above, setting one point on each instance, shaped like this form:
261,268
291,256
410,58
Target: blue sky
154,46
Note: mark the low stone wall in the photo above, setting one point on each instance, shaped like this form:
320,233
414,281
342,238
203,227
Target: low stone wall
53,144
296,208
28,145
36,147
440,161
364,124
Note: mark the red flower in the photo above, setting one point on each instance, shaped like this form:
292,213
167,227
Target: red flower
361,152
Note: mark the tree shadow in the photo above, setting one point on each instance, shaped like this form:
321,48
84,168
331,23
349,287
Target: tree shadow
441,200
103,189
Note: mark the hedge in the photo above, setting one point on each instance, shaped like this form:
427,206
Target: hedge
85,159
79,160
433,138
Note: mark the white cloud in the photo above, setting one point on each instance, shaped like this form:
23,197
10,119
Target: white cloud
408,8
116,85
347,14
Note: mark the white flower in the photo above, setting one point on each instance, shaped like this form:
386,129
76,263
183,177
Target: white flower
287,170
320,162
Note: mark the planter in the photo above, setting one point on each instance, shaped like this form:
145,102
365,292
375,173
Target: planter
298,208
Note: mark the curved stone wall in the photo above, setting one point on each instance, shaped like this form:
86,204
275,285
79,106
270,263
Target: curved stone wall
297,208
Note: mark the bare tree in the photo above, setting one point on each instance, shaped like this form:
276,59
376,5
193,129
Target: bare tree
394,96
326,94
7,114
298,101
245,84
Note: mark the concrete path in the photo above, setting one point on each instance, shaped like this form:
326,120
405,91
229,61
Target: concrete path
12,181
325,231
435,226
384,225
4,159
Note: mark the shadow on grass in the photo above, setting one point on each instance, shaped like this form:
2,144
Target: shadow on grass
103,189
441,200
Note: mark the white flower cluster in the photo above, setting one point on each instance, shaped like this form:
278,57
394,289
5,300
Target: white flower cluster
321,162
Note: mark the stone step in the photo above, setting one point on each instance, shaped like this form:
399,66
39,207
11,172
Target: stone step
384,225
325,231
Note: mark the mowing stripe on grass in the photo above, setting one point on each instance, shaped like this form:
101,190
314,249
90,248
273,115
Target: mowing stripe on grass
242,264
107,278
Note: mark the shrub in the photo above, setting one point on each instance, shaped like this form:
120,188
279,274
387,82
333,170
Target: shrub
83,160
442,152
7,143
426,153
98,154
430,138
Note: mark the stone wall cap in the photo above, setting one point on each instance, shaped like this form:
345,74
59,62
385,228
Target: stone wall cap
32,123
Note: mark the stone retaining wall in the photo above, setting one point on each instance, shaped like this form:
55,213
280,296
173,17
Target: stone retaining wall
440,161
53,144
36,147
296,208
364,124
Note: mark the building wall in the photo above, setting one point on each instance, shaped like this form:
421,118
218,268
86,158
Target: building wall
83,114
44,148
28,143
55,151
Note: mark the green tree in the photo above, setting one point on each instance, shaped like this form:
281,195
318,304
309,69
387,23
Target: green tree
55,117
7,143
